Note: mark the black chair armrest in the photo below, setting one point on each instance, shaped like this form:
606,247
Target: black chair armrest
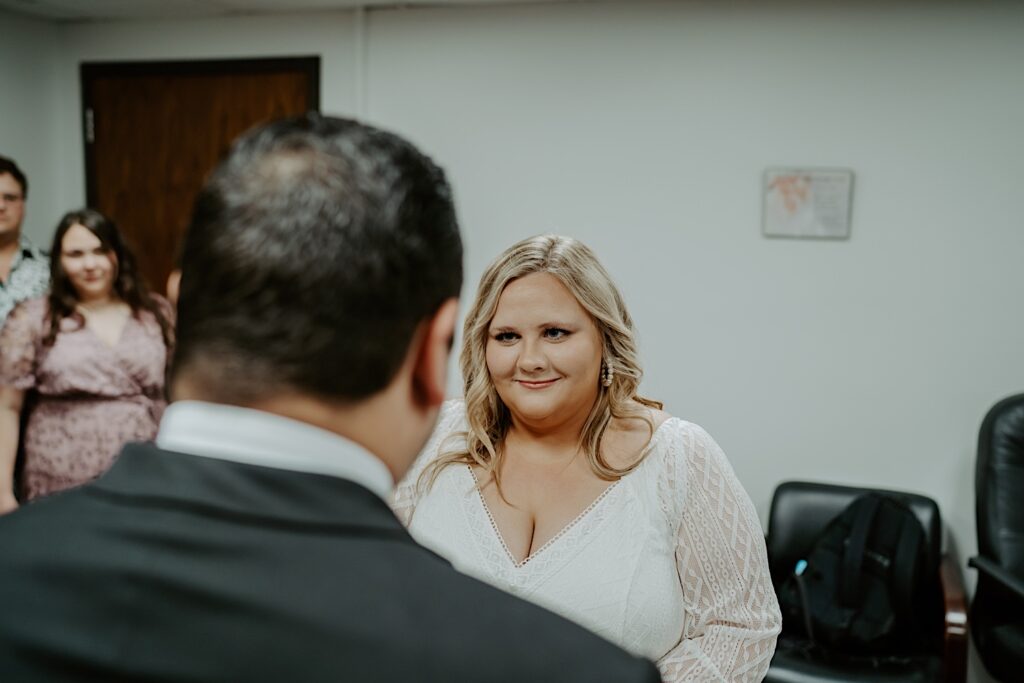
954,638
1000,575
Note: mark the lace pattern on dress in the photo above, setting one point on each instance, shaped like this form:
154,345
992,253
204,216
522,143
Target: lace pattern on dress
733,616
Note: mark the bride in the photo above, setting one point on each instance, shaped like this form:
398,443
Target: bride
556,481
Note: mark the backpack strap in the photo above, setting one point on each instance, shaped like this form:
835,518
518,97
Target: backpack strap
853,550
908,552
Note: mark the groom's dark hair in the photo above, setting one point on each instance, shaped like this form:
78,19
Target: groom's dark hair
315,249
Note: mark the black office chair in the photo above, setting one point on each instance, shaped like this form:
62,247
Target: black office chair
799,513
997,613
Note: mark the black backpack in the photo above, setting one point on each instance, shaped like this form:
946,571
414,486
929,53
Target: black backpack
859,590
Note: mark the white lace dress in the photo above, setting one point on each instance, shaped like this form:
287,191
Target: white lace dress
669,562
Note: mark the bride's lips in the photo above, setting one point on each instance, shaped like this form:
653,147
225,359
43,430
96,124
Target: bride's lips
536,384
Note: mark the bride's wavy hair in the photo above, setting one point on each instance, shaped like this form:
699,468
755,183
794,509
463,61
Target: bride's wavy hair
576,267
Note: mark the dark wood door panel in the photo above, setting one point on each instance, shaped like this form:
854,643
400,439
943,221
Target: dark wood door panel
154,130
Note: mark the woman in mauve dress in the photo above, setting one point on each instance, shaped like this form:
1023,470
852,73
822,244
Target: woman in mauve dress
556,481
94,351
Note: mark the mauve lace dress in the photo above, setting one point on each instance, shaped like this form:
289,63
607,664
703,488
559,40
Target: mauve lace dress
92,398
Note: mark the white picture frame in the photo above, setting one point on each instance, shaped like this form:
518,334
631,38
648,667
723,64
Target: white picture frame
809,203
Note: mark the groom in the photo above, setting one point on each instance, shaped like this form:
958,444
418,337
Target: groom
252,541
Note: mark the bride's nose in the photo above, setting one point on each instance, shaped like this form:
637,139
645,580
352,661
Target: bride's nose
532,358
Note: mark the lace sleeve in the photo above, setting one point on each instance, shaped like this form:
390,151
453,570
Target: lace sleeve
19,342
408,491
732,614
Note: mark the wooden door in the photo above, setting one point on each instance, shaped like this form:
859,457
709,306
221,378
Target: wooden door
153,130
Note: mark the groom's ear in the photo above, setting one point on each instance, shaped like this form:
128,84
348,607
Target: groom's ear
430,369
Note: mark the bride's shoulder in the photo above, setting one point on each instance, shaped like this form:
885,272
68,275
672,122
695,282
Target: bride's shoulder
658,417
674,439
628,439
451,421
452,416
643,422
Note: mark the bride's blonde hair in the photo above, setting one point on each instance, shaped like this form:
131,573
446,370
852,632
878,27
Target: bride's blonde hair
576,267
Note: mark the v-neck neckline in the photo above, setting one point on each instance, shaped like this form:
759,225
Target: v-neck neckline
101,340
564,531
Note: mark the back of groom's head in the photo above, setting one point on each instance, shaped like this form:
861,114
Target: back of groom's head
316,250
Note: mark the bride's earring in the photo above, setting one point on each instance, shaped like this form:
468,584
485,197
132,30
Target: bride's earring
607,372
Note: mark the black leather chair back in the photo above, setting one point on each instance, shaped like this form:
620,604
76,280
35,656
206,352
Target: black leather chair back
999,484
801,510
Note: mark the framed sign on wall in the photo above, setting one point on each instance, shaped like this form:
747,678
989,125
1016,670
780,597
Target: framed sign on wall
807,202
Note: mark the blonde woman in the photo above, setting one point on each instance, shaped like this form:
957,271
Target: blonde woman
555,480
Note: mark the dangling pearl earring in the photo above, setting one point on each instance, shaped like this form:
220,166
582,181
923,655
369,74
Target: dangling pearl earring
607,372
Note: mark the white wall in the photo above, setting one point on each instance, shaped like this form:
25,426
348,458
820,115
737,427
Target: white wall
643,129
28,116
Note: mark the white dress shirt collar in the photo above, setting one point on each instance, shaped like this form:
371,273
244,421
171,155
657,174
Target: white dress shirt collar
254,437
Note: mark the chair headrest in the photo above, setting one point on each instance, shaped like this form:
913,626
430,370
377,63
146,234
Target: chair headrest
801,510
999,484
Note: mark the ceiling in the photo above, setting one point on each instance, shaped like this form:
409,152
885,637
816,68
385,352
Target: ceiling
103,10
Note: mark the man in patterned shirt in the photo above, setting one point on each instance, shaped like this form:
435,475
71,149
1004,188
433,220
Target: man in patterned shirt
24,271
